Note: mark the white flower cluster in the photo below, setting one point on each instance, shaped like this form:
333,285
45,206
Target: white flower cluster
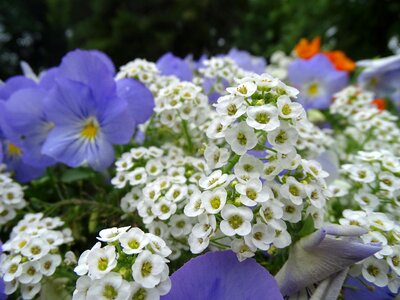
133,265
147,73
182,102
218,73
382,269
278,65
372,182
249,201
11,197
161,181
32,253
364,125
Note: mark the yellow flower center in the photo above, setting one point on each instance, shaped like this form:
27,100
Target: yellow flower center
14,150
90,129
313,89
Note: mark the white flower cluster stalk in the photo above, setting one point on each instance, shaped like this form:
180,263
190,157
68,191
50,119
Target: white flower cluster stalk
147,73
32,253
382,269
133,265
161,182
363,124
11,197
217,73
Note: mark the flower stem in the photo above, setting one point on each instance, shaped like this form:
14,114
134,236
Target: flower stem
187,136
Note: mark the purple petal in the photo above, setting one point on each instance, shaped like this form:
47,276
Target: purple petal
248,62
140,99
220,276
170,64
14,84
25,115
90,68
318,256
354,289
69,102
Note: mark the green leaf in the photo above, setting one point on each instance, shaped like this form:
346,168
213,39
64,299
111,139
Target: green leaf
308,227
76,174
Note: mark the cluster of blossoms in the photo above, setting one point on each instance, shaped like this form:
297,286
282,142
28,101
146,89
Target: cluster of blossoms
11,197
32,253
382,269
147,73
216,74
251,198
162,181
183,108
133,265
366,126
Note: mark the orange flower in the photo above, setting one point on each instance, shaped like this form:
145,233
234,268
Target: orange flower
380,103
305,49
340,60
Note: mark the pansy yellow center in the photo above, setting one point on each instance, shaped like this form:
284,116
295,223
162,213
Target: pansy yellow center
14,150
90,130
313,89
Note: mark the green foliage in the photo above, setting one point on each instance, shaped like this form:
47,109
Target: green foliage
41,31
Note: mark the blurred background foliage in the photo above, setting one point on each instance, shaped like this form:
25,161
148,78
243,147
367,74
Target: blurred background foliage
42,31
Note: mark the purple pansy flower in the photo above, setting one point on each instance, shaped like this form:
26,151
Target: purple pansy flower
88,113
2,286
170,64
219,276
322,254
382,76
247,62
317,79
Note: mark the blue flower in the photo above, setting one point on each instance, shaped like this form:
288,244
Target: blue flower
220,276
317,79
247,62
88,112
321,255
170,64
382,77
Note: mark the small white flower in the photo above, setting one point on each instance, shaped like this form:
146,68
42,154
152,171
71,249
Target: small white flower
245,89
243,250
137,176
11,268
283,138
264,117
214,201
252,192
198,244
133,241
293,190
367,201
36,249
230,107
111,234
49,263
206,226
261,236
288,109
30,273
375,271
29,291
110,287
282,238
149,269
176,192
164,208
248,167
241,138
180,226
236,220
216,157
101,261
82,286
215,179
271,211
291,211
195,205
